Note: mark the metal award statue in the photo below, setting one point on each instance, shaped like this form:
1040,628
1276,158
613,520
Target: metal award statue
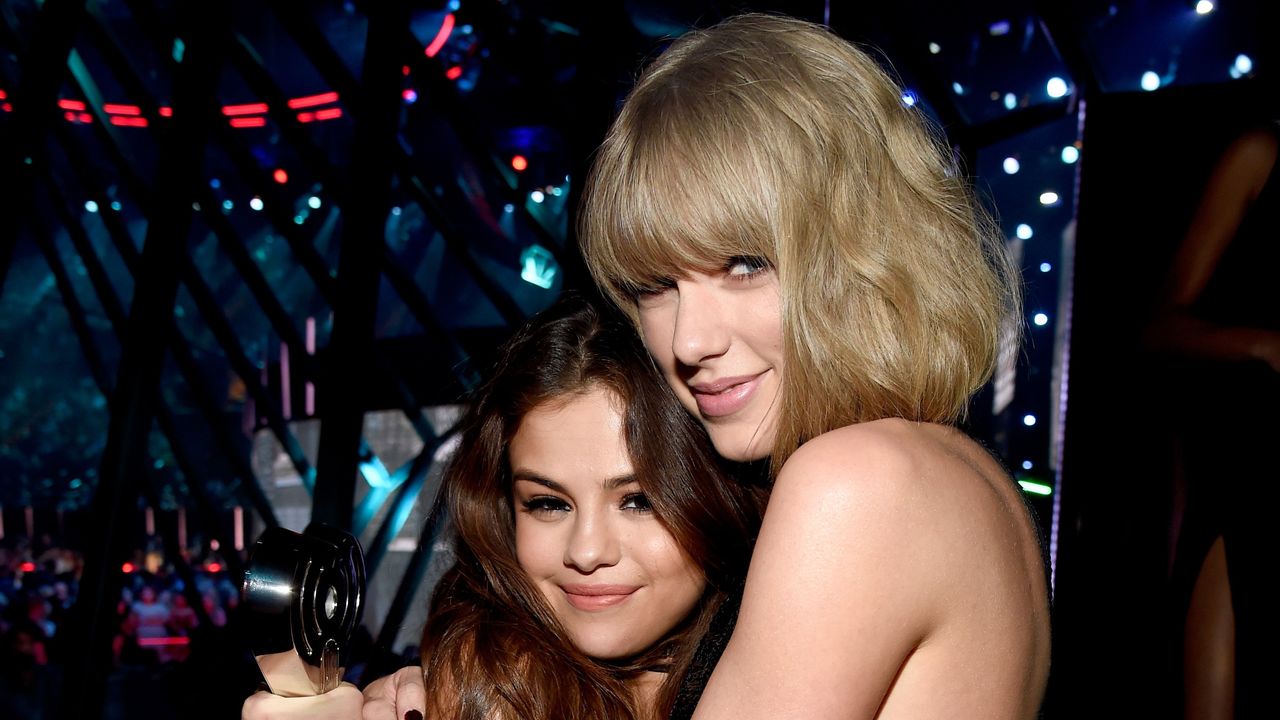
303,594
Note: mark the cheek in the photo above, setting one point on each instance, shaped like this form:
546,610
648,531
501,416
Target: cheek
535,548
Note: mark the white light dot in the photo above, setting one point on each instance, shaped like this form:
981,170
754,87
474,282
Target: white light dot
1243,64
1010,101
1056,87
1070,154
537,196
958,88
1027,465
1049,198
1011,165
396,211
1204,7
1150,81
256,203
1028,420
228,205
91,206
1024,231
313,202
934,48
1040,319
909,98
1045,267
508,208
115,205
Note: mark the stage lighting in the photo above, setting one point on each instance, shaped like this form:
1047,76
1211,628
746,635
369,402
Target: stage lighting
1040,319
255,203
1045,267
1011,165
1056,87
519,163
1010,101
909,98
1024,231
1027,465
280,176
1204,7
934,48
1150,81
313,202
91,206
1070,154
537,196
1028,420
1049,198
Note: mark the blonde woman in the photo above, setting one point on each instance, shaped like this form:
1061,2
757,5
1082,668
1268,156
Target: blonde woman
815,281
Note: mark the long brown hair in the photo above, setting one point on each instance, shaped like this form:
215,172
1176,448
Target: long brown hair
492,647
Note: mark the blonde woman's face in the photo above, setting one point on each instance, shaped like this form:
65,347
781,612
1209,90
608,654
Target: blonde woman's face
586,535
718,339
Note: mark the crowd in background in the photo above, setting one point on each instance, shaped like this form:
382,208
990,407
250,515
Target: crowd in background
157,629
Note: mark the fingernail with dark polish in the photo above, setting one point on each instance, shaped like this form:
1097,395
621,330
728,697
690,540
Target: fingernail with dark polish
413,715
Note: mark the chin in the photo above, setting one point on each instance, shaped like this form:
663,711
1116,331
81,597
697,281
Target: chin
740,449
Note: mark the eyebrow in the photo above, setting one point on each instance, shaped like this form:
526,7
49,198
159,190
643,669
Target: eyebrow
612,483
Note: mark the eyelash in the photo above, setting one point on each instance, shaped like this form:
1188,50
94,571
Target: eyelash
755,265
545,504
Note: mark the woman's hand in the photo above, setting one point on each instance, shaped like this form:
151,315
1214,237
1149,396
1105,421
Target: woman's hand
399,696
342,703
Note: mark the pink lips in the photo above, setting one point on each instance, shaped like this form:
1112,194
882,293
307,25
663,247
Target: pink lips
725,396
593,598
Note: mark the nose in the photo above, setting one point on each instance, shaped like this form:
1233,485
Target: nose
593,543
700,332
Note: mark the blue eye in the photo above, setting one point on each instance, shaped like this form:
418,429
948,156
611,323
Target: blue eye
745,266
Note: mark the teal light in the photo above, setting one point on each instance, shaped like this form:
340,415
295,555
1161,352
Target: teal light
537,266
179,49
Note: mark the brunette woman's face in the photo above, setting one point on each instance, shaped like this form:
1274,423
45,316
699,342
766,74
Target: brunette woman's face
718,339
585,532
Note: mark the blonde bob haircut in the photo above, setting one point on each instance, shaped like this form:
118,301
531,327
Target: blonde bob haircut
772,138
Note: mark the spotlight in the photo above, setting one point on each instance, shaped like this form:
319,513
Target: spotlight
280,176
1024,231
1028,420
1056,87
1040,319
1011,165
1049,198
313,202
1243,64
1070,154
1204,7
934,48
256,203
909,98
1045,267
1027,465
537,196
519,163
91,206
1010,101
1150,81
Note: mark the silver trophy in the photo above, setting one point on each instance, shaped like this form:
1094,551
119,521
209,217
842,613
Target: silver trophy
303,594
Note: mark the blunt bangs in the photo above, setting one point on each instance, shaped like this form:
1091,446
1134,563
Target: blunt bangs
683,191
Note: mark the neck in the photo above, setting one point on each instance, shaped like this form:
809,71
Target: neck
645,688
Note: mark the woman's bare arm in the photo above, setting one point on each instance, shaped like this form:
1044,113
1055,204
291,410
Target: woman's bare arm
865,562
1237,179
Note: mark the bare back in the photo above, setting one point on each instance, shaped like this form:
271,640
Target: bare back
898,575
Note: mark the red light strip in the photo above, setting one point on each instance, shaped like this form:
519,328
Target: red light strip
4,96
163,641
247,109
86,118
71,105
454,72
328,114
442,37
166,112
313,100
128,121
244,122
306,117
115,109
